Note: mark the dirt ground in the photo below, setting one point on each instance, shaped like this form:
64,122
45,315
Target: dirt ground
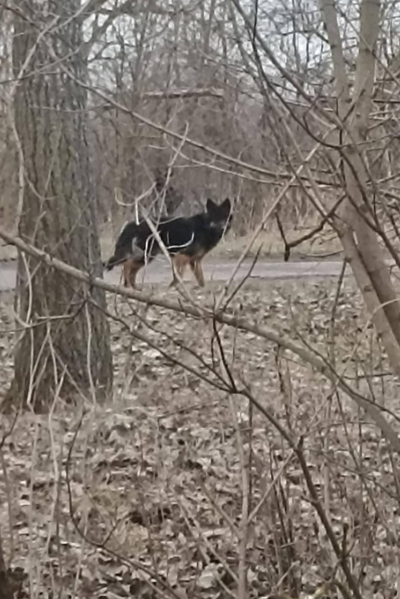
150,490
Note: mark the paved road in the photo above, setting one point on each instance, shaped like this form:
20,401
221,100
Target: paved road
159,271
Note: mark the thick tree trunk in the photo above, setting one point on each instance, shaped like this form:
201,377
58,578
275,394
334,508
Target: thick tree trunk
65,344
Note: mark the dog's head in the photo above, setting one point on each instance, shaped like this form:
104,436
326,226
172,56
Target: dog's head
220,214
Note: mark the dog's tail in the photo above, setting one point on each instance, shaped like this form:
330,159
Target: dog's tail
114,261
123,246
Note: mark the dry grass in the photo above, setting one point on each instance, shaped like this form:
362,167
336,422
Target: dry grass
156,476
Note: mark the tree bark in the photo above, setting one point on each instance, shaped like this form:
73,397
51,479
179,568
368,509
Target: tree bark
64,347
6,585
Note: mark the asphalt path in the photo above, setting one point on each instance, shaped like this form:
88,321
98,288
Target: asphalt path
160,272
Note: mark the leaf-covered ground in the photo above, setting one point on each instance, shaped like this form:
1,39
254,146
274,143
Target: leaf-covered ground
151,491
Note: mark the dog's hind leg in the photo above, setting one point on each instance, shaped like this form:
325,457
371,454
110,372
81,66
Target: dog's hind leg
126,269
131,268
133,273
197,269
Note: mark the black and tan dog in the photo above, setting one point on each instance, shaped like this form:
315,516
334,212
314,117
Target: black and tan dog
187,240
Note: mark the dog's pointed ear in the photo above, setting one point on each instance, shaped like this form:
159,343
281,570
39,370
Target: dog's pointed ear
226,204
210,204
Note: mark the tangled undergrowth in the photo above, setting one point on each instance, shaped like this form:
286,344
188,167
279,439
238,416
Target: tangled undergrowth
179,488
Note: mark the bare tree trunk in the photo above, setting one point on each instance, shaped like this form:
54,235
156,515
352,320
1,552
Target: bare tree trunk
65,344
359,240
